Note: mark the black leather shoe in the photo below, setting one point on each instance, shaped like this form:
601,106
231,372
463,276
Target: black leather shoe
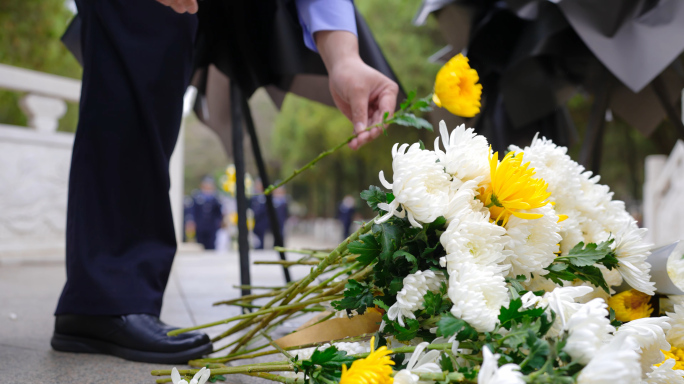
136,337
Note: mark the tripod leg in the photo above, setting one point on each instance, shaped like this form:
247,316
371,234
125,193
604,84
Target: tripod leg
661,91
239,158
272,215
590,153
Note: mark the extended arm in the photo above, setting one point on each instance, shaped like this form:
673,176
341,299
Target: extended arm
362,93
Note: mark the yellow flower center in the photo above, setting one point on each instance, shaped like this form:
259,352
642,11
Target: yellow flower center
630,305
374,369
675,353
513,189
456,88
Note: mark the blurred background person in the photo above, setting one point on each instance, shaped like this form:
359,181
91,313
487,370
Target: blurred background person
345,214
262,221
207,213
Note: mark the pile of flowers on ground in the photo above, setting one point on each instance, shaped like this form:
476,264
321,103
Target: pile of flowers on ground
487,269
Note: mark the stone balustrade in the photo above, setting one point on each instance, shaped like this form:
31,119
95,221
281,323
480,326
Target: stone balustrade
34,166
664,196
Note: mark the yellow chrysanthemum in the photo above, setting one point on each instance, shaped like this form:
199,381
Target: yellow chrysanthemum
630,305
675,353
374,369
456,87
513,189
231,180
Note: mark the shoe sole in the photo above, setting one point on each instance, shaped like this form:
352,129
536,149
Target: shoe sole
65,343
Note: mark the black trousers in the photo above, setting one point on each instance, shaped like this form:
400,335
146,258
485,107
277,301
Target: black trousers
120,236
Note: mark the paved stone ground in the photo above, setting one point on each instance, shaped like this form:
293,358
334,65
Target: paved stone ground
28,294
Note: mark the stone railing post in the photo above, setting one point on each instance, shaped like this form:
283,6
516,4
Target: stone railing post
43,112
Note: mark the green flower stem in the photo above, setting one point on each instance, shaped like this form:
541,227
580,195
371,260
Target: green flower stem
450,377
236,328
330,151
282,366
359,276
277,378
244,355
325,318
269,311
287,262
302,284
276,346
325,282
246,298
409,349
310,252
260,287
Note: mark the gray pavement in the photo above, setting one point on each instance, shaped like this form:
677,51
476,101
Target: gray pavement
28,294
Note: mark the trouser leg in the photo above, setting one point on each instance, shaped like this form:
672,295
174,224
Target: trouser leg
120,236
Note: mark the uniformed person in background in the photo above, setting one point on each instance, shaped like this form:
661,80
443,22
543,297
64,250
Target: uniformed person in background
206,214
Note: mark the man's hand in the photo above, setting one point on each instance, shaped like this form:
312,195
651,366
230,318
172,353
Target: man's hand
181,6
362,93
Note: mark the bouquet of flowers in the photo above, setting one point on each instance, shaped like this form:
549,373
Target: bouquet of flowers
484,268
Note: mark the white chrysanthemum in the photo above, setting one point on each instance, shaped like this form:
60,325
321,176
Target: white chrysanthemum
470,236
419,185
675,268
539,283
465,156
463,200
632,252
533,243
612,276
649,333
552,163
478,292
665,374
410,298
570,230
561,301
589,329
418,363
675,336
616,362
595,293
491,373
200,377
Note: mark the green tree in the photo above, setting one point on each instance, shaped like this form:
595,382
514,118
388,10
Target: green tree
30,38
304,128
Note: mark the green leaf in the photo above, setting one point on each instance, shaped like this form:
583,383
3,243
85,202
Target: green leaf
409,257
373,196
445,363
422,105
449,325
411,120
435,303
539,349
422,145
409,332
409,99
389,235
381,304
513,312
357,296
613,321
468,373
581,256
331,358
366,247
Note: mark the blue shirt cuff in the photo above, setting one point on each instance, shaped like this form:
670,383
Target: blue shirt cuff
325,15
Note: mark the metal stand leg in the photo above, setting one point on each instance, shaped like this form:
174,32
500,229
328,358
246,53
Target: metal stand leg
590,153
661,91
272,215
239,158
